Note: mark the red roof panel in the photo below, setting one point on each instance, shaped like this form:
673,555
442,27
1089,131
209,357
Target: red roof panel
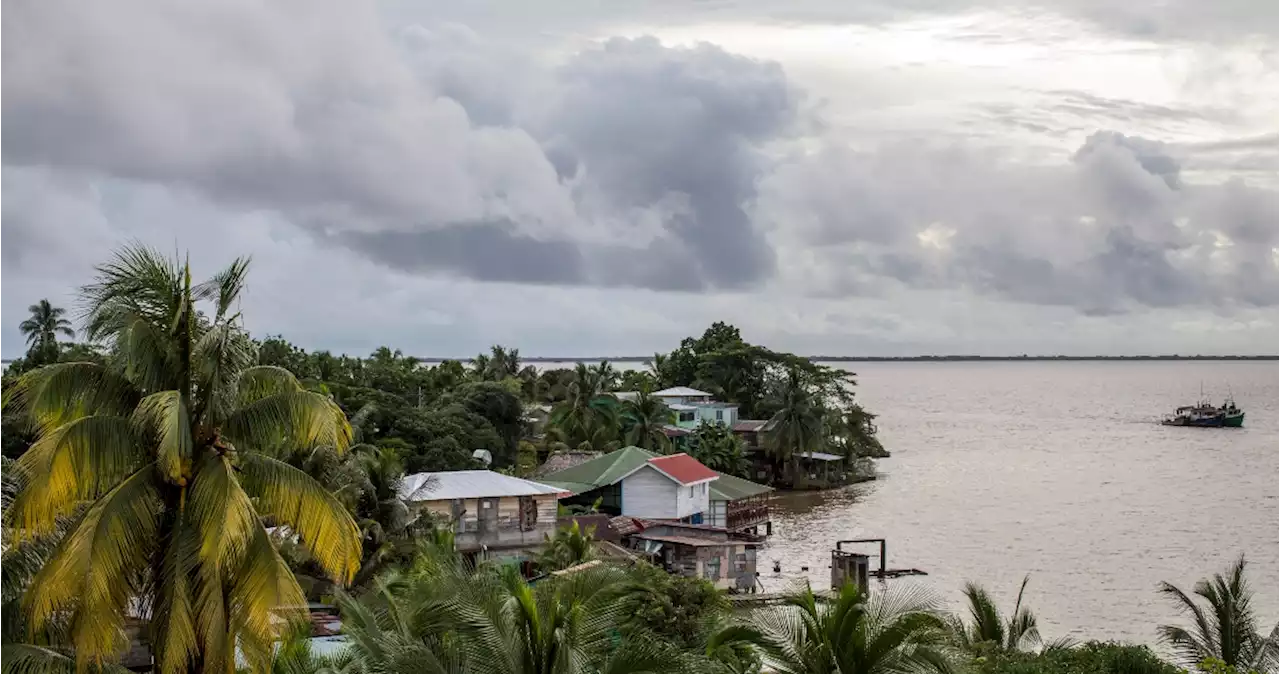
683,468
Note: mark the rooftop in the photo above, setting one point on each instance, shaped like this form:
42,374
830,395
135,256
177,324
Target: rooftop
612,467
683,469
821,456
732,488
469,484
750,425
681,392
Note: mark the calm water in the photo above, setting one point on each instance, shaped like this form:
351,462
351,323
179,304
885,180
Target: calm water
1062,471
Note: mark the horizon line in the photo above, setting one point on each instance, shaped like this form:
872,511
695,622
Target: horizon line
865,359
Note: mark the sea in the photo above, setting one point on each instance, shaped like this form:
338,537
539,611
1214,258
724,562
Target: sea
1060,470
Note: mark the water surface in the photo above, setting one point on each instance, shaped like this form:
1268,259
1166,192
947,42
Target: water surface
1059,470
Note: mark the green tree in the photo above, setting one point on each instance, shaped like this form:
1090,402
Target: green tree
570,546
719,449
1224,625
42,329
987,630
894,631
643,420
174,446
444,616
798,423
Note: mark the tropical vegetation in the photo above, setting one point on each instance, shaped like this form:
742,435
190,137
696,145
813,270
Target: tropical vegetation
173,482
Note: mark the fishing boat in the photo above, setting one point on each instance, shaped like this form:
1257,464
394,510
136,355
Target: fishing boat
1204,415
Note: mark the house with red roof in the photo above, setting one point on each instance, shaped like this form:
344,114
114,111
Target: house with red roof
675,487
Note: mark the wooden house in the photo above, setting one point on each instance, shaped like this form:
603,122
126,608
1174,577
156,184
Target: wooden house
492,515
725,558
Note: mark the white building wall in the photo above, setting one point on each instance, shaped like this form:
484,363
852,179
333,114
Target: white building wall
718,514
648,493
691,503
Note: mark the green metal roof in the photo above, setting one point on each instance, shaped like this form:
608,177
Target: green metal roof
600,471
731,488
608,469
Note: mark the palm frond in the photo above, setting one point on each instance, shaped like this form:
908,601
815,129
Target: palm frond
137,278
225,286
56,394
291,419
163,416
319,519
265,599
260,381
173,618
95,567
80,460
19,658
221,355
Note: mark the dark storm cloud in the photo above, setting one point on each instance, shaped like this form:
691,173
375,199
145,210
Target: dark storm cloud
492,251
410,143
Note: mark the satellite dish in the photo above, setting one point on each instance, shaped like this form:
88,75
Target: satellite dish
483,456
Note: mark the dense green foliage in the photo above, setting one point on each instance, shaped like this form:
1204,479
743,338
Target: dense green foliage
1089,658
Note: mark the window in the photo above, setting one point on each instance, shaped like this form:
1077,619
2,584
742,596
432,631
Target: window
686,416
690,491
719,415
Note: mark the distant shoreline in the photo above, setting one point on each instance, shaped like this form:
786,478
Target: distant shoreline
891,359
875,359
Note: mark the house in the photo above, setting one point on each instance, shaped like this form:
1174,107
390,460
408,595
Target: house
671,487
492,515
732,502
739,505
726,558
691,407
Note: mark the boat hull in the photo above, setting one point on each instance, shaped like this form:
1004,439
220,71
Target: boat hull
1224,421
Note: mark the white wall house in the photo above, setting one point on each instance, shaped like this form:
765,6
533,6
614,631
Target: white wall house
673,487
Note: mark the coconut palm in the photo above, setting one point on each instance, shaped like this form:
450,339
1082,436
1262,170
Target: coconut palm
644,418
449,617
167,460
571,545
797,427
717,448
987,629
1224,625
586,414
895,631
42,330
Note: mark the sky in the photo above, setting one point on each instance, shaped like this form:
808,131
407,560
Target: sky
573,178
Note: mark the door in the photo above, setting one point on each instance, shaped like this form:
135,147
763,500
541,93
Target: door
488,516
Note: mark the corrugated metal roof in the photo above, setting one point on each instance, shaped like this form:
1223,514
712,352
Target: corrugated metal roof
821,456
687,540
732,488
601,471
469,484
681,392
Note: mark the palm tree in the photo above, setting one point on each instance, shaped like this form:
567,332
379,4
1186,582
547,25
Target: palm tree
717,448
656,366
1227,630
586,414
453,618
42,330
895,631
604,377
988,630
173,449
643,419
570,546
798,424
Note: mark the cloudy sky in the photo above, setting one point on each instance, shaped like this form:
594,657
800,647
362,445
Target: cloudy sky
887,177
